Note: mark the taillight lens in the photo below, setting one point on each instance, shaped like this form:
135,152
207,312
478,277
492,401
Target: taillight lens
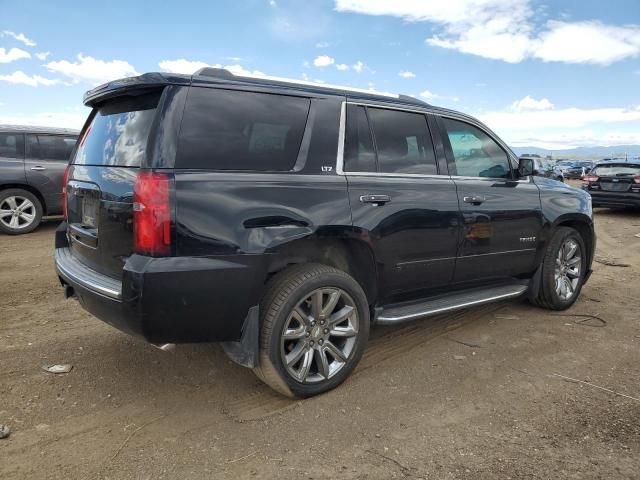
636,179
590,178
65,179
151,214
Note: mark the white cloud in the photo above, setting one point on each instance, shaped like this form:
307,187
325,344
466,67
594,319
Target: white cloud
92,70
182,65
407,74
427,94
587,42
506,30
358,66
564,118
322,44
42,55
529,103
580,138
323,61
189,67
68,119
20,37
8,56
20,78
342,66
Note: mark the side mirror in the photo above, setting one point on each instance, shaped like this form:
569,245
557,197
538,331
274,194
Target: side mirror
526,167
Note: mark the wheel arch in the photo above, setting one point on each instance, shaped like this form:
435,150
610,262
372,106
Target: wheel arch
28,188
583,224
348,254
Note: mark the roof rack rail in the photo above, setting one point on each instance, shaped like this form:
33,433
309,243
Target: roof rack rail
410,99
215,72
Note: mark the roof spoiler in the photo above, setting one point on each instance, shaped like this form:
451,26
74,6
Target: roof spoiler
132,86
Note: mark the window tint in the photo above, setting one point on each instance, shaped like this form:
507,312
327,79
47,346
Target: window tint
231,130
403,142
359,155
119,132
11,145
50,147
617,170
475,153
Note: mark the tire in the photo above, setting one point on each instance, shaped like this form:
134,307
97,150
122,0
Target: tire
554,271
290,304
20,211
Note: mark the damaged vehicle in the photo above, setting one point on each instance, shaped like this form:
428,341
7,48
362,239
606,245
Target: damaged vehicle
283,220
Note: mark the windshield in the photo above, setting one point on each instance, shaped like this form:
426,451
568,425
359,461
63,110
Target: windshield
119,132
617,170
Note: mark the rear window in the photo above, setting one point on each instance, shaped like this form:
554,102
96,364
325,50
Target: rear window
233,130
50,147
617,170
11,145
119,132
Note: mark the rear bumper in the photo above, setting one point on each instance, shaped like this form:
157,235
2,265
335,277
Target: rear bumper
168,300
613,199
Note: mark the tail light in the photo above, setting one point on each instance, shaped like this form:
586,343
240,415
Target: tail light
152,214
636,179
65,179
590,178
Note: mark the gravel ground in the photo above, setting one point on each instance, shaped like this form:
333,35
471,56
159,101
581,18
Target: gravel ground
477,394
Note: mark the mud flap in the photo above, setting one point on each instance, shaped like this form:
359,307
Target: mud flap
534,284
245,351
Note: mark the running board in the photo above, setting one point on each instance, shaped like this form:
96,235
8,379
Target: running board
446,303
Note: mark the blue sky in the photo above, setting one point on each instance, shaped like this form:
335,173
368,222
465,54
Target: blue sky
555,73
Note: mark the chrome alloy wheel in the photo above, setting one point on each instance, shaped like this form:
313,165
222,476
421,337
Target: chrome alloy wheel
319,335
17,212
568,269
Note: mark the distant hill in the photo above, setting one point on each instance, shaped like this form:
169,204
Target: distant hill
584,152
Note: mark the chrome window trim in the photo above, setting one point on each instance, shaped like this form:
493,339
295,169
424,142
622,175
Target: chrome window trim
342,137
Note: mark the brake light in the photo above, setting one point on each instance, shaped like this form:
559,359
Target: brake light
590,178
636,179
151,214
65,179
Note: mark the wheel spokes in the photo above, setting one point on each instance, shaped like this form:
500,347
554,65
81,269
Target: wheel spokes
296,354
294,333
5,213
341,315
335,352
322,362
11,201
348,331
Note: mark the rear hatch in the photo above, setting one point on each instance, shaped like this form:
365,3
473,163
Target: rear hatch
101,178
619,178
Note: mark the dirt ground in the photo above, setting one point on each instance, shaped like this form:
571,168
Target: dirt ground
473,395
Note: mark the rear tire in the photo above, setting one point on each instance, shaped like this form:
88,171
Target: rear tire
20,211
563,270
314,329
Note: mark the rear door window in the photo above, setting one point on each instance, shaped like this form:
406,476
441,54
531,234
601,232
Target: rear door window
50,147
11,145
475,154
119,132
236,130
359,155
403,142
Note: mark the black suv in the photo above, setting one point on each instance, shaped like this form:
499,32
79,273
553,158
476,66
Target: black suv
283,220
32,163
614,183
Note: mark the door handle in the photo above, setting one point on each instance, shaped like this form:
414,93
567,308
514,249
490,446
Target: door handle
375,199
38,168
474,199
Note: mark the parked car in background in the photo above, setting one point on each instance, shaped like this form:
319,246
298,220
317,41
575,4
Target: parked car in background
614,184
283,219
578,168
543,167
32,164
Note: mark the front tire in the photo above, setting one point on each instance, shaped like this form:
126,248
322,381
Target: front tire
563,270
314,329
20,211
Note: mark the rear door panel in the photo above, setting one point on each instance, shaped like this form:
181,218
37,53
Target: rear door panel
44,166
